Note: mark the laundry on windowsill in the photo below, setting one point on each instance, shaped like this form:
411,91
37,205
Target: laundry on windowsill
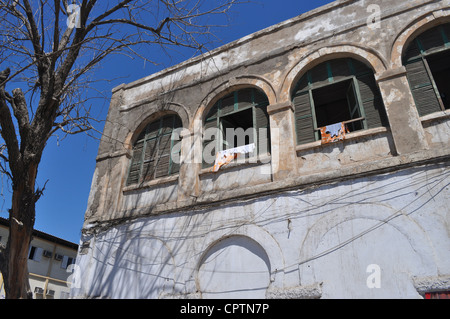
227,156
333,133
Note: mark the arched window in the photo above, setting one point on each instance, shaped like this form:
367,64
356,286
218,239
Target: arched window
427,62
153,151
237,120
337,92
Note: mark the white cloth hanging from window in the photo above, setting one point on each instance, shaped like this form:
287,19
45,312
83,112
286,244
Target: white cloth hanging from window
334,129
333,133
227,156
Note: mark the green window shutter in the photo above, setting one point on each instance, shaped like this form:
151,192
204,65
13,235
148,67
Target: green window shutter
207,140
152,151
136,161
227,105
262,126
302,84
213,112
446,30
153,130
340,69
245,98
174,167
148,170
320,74
261,122
422,88
372,101
259,98
148,166
412,53
253,104
175,152
304,122
431,40
163,160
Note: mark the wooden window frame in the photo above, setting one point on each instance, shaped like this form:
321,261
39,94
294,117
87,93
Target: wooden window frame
218,115
148,138
423,56
310,85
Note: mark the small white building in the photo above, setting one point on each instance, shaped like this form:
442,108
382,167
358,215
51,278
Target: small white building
50,264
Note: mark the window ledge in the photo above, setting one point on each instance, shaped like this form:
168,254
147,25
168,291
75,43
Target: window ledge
435,116
253,161
152,183
350,136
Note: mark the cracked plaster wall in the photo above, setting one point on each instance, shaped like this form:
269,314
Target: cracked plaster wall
116,212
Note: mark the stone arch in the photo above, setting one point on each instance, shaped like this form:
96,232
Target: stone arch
352,241
153,113
240,82
368,56
255,237
137,265
412,30
234,267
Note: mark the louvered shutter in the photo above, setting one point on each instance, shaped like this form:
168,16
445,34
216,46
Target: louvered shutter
262,126
304,124
163,160
227,105
340,69
422,88
431,40
152,152
412,53
320,74
207,140
245,98
372,102
176,150
136,161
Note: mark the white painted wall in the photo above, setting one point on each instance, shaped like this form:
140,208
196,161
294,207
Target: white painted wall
319,237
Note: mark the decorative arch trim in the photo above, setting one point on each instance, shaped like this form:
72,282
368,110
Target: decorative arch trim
382,215
367,56
153,113
240,82
414,29
258,235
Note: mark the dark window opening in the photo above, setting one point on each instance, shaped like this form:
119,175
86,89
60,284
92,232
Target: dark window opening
32,252
335,92
244,114
337,103
440,69
237,124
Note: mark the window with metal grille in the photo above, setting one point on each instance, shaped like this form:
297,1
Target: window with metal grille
337,91
154,153
238,119
427,62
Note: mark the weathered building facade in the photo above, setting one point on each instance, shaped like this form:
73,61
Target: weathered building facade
343,188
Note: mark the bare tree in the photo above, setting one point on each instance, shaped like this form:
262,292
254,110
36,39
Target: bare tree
48,48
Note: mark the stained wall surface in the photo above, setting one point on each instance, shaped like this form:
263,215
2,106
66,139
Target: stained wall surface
366,217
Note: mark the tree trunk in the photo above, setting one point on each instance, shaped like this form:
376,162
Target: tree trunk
22,217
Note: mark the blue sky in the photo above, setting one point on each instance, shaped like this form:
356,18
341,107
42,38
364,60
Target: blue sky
69,165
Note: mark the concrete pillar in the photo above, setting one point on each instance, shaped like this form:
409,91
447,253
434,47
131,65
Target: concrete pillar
189,180
406,127
282,131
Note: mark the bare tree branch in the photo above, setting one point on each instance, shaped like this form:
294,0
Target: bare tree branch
45,83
